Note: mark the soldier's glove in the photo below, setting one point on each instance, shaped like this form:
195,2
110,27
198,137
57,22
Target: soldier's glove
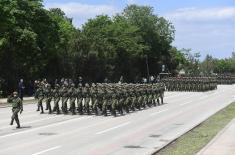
21,111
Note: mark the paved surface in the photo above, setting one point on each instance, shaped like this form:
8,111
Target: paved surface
223,143
141,132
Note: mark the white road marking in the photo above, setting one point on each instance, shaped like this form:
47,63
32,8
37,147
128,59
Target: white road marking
113,128
185,103
53,124
158,112
41,152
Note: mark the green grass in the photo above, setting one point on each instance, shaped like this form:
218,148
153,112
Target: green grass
193,141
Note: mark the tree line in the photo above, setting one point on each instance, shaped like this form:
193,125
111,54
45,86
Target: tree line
37,43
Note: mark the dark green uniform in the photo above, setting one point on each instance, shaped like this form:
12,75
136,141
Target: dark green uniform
56,95
17,107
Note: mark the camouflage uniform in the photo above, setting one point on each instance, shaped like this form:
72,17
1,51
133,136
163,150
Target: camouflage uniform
17,107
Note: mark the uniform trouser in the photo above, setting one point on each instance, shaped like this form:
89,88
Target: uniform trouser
40,104
56,105
64,104
48,104
113,106
150,99
156,98
15,117
126,104
104,107
140,101
120,105
79,103
87,107
133,103
95,105
161,96
72,105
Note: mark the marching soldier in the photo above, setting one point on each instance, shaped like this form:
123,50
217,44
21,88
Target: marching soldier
48,97
17,107
64,96
72,96
40,96
80,98
56,96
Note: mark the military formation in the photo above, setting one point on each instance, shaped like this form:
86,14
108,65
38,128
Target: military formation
97,98
226,79
196,84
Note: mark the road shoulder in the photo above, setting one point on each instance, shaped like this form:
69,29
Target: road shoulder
196,139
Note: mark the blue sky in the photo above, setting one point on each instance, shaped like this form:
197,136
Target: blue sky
205,26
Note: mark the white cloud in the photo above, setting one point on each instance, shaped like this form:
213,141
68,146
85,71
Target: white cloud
131,2
81,12
207,30
198,14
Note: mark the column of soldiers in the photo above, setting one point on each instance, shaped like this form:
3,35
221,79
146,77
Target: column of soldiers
100,98
226,79
196,84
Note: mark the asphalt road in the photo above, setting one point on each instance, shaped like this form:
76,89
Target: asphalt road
141,132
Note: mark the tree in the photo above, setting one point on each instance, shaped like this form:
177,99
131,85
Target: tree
157,34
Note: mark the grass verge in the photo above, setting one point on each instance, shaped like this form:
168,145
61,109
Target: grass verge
193,141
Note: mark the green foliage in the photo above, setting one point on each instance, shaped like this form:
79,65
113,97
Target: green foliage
220,66
39,43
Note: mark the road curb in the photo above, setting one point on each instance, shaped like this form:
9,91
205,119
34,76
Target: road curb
190,129
216,137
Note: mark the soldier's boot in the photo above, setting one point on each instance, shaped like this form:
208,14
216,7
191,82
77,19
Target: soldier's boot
57,111
73,111
104,111
113,109
104,108
126,108
143,104
46,106
158,102
54,109
42,111
154,103
80,111
65,110
87,109
139,106
132,107
18,123
114,112
95,109
121,111
49,107
12,120
162,102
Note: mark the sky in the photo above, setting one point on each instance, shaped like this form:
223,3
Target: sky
205,26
